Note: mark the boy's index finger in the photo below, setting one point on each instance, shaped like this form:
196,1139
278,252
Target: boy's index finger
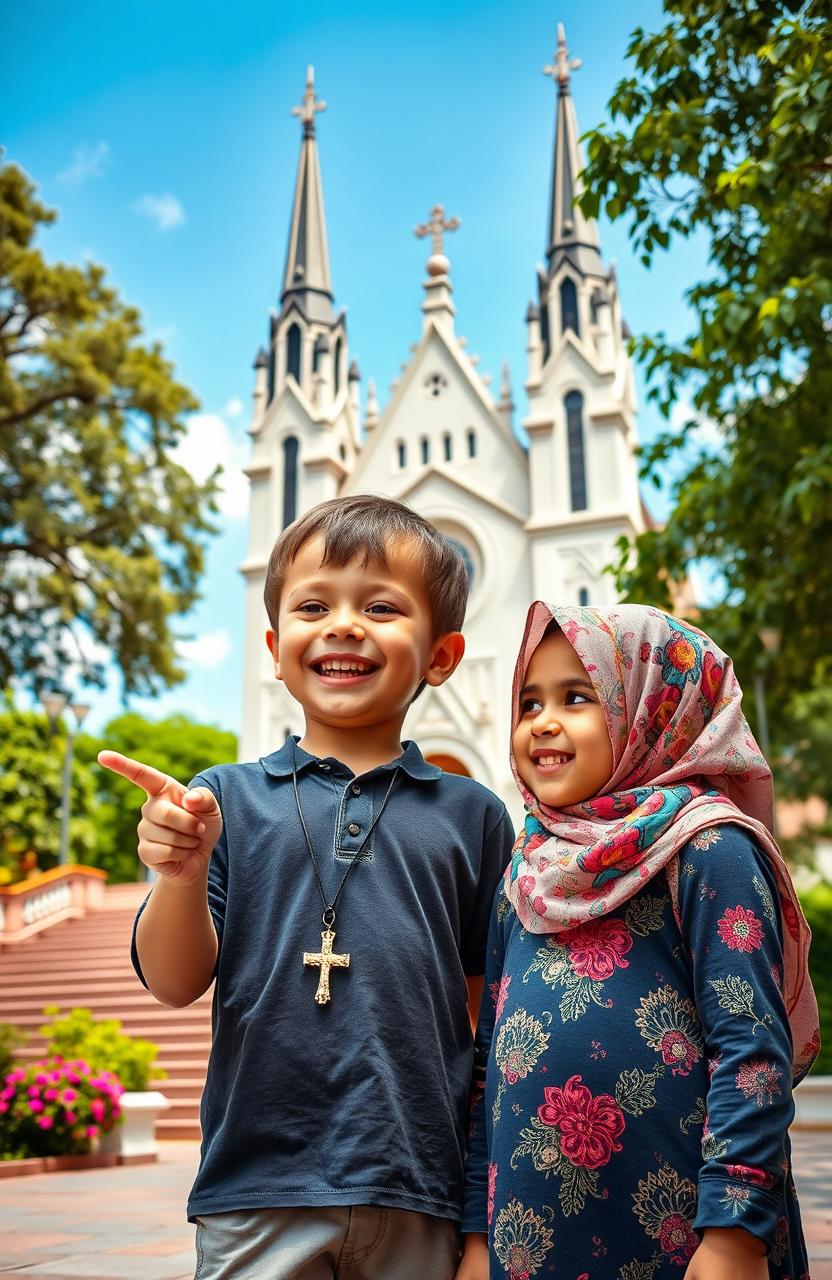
141,775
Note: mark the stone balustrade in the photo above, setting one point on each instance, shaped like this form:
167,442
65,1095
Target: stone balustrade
64,893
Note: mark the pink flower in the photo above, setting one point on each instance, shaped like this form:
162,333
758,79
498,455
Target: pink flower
759,1080
677,1237
539,906
92,1131
596,948
750,1173
525,885
678,1052
33,1091
499,992
45,1122
35,1104
50,1094
70,1117
588,1126
98,1109
4,1106
740,930
14,1077
8,1092
69,1095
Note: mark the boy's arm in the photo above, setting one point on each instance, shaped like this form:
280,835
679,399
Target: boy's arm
176,939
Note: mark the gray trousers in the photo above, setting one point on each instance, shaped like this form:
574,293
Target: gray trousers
350,1242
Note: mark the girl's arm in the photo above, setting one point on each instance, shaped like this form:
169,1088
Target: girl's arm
475,1213
731,927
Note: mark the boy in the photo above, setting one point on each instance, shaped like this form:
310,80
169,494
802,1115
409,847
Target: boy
339,890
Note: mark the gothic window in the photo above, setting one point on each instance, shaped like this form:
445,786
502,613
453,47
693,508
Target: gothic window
290,479
401,450
272,372
435,384
293,352
337,365
425,451
448,446
583,597
466,557
342,452
569,307
545,336
318,350
574,404
471,437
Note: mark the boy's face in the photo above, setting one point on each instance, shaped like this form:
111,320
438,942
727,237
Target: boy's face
354,641
561,743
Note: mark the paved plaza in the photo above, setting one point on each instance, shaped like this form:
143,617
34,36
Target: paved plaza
116,1224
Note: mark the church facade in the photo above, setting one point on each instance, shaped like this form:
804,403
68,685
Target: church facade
535,520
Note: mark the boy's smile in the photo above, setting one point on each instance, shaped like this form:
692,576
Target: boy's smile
561,742
353,644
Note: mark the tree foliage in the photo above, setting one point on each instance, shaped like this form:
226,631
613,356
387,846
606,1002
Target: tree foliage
724,130
101,531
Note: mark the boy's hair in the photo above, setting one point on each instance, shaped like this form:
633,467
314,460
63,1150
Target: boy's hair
366,525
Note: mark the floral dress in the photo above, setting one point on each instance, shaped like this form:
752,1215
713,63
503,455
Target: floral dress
638,1089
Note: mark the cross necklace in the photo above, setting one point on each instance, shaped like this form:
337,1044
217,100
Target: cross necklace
327,958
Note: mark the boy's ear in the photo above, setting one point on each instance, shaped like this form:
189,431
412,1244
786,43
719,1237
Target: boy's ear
445,657
272,646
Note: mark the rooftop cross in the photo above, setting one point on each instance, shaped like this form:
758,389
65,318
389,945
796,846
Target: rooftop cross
563,64
307,109
437,226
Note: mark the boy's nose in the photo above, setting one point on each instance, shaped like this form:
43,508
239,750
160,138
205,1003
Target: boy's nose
343,622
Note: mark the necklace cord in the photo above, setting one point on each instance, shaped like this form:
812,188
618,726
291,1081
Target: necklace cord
329,907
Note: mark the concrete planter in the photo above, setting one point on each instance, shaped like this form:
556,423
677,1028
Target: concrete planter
56,1164
813,1103
135,1136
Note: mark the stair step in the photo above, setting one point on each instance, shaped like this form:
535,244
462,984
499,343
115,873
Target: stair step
178,1129
102,1005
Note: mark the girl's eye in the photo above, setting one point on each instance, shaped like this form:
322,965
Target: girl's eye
574,698
528,705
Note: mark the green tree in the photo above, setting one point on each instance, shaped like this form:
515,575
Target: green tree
31,772
723,130
176,745
101,531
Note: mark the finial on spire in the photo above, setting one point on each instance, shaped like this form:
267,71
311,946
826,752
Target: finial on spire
436,228
562,64
309,107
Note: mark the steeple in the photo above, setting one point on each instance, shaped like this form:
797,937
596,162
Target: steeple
569,231
306,278
438,304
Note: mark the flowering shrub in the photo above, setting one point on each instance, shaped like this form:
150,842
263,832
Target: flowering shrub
54,1107
102,1042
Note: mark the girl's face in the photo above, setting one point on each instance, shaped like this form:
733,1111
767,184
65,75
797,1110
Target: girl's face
561,744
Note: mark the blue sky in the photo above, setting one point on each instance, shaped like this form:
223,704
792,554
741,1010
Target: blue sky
163,135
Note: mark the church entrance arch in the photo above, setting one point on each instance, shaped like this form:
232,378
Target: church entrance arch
448,764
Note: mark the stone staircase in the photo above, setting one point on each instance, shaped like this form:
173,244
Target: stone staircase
86,963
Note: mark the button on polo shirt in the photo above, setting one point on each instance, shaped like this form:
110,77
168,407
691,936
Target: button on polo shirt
363,1100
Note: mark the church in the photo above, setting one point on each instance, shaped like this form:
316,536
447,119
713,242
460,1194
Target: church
532,520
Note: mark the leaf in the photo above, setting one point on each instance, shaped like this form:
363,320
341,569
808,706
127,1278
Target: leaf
634,1091
576,1183
735,994
645,914
575,999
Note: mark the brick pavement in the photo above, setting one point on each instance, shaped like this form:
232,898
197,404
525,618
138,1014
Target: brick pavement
125,1223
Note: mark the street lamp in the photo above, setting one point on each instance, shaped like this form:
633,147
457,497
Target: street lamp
53,704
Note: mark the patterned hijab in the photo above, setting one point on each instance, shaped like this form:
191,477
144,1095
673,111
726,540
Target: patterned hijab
684,759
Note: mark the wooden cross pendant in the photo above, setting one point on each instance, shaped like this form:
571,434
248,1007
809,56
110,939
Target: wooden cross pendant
327,959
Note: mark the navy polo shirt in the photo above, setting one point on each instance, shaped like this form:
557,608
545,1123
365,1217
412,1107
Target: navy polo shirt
362,1100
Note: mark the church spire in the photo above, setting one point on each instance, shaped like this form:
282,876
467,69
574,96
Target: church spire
568,230
306,277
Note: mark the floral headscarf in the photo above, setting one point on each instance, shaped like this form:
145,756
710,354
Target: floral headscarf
684,759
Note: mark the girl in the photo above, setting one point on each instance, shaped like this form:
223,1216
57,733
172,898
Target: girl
647,1005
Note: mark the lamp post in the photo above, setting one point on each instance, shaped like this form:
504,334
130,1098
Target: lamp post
54,705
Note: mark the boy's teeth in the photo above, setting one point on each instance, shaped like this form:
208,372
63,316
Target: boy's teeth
355,668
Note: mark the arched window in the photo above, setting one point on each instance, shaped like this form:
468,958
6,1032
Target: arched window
401,450
319,348
342,452
271,374
425,451
293,352
574,404
290,479
583,597
336,371
569,306
471,437
448,446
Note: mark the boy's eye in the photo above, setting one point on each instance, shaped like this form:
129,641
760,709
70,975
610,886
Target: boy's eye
311,606
381,608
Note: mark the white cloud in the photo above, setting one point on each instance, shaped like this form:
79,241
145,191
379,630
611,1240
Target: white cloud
87,162
208,444
165,210
234,407
206,651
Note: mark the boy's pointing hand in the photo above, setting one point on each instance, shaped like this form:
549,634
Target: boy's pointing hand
179,828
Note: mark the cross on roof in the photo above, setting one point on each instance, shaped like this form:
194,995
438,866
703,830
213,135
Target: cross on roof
563,64
437,226
307,109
